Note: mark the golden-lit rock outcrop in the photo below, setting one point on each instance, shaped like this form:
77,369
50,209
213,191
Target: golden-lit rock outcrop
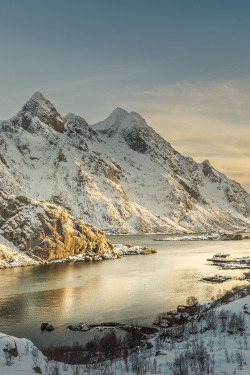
47,231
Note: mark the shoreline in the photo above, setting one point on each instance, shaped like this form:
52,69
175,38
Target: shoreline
120,251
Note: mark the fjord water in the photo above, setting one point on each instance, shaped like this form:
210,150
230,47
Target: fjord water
133,288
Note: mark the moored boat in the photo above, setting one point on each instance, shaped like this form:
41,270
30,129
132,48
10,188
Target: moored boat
216,278
220,257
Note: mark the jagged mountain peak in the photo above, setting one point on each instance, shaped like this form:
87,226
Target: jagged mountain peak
38,107
133,120
78,129
74,120
37,103
133,129
206,162
130,128
119,112
117,115
120,121
208,170
38,96
112,122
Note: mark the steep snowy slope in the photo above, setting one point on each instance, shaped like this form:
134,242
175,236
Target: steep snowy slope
119,174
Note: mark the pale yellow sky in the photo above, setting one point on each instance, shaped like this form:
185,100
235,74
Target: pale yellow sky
226,149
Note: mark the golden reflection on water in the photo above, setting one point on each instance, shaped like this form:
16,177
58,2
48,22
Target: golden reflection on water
131,288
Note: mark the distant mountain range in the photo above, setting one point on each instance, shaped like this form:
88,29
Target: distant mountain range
119,174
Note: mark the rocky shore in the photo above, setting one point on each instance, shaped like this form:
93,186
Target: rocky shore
119,251
40,232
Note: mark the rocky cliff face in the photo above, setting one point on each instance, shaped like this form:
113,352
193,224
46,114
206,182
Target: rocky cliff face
11,256
46,231
119,174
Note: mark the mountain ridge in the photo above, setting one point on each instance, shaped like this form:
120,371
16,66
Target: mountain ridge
118,174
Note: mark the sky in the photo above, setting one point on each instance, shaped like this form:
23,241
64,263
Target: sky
184,65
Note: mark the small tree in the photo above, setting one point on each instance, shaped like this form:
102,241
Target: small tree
191,300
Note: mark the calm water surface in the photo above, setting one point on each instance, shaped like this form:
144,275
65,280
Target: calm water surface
133,288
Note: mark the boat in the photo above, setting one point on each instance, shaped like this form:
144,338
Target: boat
235,266
220,257
216,278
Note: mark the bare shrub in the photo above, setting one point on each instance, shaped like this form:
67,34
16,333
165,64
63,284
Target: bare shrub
245,341
35,356
139,364
108,346
77,370
9,359
196,359
239,357
26,349
191,300
227,355
65,366
210,345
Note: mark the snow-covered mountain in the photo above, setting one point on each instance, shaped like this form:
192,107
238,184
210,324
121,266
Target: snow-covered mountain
119,174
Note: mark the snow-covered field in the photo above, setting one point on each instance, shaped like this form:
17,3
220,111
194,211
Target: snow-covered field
216,341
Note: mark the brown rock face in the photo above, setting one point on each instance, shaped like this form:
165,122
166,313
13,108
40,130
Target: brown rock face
41,108
47,231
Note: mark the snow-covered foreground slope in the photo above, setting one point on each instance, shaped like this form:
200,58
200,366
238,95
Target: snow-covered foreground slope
119,174
215,342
